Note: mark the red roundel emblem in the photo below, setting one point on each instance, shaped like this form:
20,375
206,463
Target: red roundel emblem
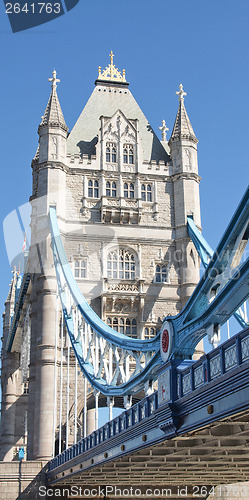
165,341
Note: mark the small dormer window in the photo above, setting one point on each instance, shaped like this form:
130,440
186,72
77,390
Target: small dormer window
128,154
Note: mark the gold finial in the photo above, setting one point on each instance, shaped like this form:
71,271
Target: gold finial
111,57
111,72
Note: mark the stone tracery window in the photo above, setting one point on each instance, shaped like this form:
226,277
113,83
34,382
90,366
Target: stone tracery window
80,269
127,326
111,153
161,275
121,265
128,154
129,190
146,192
93,189
111,189
150,332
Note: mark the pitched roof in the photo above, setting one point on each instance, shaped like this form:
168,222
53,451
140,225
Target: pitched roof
53,114
182,126
105,101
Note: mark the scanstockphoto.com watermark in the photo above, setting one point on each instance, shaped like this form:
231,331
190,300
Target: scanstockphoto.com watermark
109,491
17,235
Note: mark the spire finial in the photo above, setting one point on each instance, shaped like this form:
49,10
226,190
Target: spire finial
54,80
111,57
181,93
164,130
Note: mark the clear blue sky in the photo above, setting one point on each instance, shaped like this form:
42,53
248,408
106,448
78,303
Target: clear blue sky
203,45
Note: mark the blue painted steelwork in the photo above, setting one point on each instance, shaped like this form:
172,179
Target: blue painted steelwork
206,252
23,287
132,346
186,379
137,413
223,287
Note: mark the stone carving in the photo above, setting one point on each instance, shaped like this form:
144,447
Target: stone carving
112,202
131,204
122,287
129,168
112,168
92,204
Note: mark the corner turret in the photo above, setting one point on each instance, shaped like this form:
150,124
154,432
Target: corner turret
183,142
52,130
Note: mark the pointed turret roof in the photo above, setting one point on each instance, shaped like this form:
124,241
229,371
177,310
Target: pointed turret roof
182,126
53,115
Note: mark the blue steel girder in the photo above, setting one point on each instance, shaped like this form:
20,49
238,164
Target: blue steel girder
136,348
223,287
205,252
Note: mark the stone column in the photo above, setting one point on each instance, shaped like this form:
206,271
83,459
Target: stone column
10,364
44,365
90,422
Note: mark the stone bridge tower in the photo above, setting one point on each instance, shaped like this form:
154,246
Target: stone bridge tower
122,198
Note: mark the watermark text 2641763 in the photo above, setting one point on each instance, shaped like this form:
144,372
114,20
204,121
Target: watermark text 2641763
34,8
26,14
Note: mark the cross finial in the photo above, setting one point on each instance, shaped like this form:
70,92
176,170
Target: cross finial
111,57
54,80
164,130
181,93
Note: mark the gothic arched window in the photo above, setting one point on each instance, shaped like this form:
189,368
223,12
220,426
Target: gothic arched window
93,189
129,190
96,189
128,154
146,192
80,268
150,332
90,189
108,154
111,152
161,275
114,154
127,326
111,189
121,265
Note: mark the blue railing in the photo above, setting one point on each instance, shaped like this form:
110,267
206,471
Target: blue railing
186,377
125,420
219,361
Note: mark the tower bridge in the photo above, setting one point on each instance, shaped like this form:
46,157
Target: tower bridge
110,308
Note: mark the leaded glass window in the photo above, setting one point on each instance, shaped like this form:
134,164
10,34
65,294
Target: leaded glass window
121,265
161,275
80,268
